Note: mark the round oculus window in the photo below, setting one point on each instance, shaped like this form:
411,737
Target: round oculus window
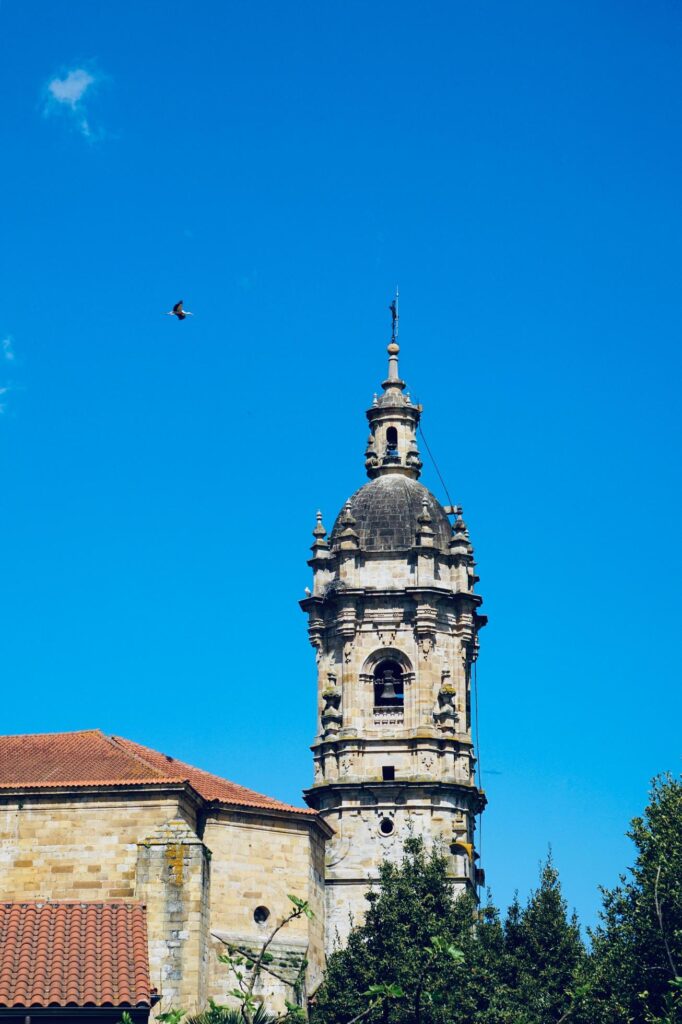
386,826
261,914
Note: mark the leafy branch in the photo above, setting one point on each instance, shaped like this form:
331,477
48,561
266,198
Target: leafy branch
248,968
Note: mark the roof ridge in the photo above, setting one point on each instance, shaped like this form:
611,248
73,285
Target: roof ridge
182,765
67,732
192,767
115,742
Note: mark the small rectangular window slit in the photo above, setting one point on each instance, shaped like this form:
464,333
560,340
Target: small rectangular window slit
388,773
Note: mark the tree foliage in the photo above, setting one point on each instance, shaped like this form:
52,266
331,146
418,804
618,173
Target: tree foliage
452,963
634,971
408,941
543,952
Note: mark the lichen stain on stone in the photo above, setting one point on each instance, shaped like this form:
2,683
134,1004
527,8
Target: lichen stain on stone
174,857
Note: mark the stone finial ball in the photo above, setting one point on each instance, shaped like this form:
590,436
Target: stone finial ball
393,349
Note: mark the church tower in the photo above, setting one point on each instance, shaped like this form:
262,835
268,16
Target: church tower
394,621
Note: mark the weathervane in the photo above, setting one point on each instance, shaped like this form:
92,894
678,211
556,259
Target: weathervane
394,318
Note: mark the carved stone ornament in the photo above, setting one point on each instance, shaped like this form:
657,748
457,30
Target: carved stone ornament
427,762
316,632
346,764
371,457
446,713
331,717
337,849
426,644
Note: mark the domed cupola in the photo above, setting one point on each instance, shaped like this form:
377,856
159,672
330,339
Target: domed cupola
386,513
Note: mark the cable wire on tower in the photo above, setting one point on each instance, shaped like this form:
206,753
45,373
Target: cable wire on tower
479,772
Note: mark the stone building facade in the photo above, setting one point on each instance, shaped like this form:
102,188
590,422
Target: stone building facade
394,620
96,818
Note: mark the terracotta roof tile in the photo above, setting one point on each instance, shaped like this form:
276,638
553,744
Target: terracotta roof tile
70,953
91,758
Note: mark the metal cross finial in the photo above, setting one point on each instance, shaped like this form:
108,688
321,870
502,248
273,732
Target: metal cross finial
394,317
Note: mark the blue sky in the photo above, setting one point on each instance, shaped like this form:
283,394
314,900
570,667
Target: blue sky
516,168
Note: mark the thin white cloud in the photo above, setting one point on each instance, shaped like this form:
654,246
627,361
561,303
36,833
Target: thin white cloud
67,95
7,355
72,87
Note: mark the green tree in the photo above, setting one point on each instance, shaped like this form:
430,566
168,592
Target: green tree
409,949
450,962
543,954
633,974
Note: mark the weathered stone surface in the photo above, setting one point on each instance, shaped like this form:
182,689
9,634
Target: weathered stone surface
386,511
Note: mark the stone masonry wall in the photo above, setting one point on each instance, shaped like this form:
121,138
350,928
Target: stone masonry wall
173,879
77,846
257,861
144,845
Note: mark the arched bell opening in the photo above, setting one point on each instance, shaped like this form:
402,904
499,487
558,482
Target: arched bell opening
389,685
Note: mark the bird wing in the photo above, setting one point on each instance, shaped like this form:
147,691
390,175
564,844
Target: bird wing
177,308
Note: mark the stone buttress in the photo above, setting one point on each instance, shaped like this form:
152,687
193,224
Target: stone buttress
394,619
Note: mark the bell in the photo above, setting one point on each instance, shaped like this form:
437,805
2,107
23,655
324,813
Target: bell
388,691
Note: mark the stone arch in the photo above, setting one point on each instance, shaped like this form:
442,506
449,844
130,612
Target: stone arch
388,672
387,654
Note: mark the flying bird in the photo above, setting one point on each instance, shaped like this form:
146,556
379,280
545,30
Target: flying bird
178,311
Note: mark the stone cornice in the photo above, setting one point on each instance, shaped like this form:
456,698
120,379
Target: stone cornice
60,789
203,808
401,787
377,740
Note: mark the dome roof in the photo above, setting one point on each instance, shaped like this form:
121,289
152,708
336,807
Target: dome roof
386,510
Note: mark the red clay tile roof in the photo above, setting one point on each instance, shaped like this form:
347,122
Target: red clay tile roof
74,954
90,758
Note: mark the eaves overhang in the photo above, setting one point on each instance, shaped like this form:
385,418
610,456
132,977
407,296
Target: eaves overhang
303,815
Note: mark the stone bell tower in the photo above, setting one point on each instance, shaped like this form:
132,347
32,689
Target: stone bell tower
394,621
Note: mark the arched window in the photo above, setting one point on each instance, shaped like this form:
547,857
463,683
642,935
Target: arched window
389,688
392,439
